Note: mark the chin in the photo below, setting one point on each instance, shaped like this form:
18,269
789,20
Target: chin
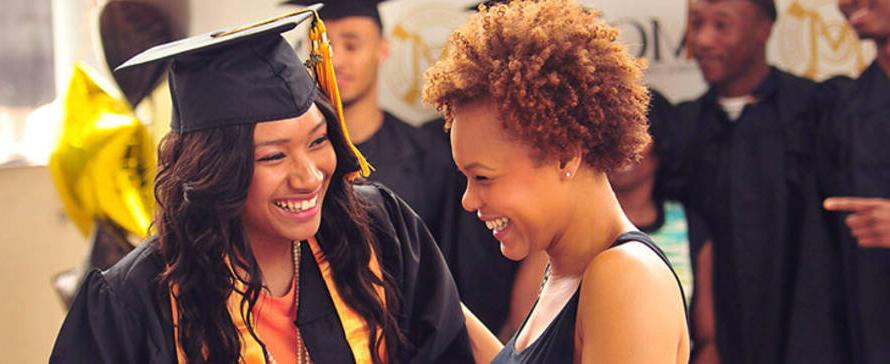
304,232
513,254
712,78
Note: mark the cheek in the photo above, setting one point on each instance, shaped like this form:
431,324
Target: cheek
257,185
367,59
254,203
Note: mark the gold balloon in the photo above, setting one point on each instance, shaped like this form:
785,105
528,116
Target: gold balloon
104,160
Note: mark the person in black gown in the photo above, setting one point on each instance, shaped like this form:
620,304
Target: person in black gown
855,172
749,175
265,251
541,102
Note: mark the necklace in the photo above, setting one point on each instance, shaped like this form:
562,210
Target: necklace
302,352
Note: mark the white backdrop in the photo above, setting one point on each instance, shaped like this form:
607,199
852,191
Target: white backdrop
810,39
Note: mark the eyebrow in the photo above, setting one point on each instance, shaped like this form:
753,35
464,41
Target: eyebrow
286,140
477,165
352,35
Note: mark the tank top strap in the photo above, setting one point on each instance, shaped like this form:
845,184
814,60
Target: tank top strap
642,238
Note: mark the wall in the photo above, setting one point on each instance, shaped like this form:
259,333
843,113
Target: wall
37,242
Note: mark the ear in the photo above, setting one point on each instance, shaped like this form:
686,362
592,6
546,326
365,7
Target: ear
763,28
383,50
570,164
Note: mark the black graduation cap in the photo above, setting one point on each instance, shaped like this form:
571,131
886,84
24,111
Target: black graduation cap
768,7
234,77
246,75
337,9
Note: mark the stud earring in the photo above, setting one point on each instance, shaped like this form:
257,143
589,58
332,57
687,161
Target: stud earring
568,174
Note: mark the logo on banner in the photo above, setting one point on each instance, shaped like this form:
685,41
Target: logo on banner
416,41
815,42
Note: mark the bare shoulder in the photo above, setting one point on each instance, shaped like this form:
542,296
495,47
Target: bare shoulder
628,268
629,296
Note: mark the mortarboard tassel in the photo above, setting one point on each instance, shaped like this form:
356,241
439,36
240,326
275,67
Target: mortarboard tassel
320,57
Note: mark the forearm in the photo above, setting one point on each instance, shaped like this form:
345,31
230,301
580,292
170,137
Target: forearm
484,344
703,321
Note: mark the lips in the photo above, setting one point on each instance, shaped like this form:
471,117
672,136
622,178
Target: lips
708,60
295,205
343,80
498,225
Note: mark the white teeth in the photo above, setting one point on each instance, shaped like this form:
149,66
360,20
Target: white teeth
498,224
297,206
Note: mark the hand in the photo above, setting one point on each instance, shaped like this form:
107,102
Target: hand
869,218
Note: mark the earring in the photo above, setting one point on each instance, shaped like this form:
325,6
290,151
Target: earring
568,174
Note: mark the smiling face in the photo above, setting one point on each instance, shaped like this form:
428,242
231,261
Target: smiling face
870,18
359,49
726,38
521,199
293,164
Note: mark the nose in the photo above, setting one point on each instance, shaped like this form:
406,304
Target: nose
470,200
305,176
702,38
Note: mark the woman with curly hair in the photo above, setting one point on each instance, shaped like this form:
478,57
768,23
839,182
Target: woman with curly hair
265,251
542,102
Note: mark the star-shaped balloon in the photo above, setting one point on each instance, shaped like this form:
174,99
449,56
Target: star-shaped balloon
104,161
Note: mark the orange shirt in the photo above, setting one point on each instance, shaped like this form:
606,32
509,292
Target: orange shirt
275,317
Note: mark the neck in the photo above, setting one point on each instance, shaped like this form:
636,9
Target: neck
883,47
276,264
595,220
363,117
638,204
745,83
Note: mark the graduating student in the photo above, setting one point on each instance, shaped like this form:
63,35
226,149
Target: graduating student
749,176
560,103
265,251
416,163
856,174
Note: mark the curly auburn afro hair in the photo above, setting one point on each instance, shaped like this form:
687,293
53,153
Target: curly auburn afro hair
558,77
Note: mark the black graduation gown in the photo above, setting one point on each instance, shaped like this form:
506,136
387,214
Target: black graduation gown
751,183
855,141
123,316
416,163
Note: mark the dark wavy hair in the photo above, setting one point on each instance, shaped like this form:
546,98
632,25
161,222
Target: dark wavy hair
556,73
201,188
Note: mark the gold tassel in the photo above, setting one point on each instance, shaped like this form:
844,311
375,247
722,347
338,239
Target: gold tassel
320,59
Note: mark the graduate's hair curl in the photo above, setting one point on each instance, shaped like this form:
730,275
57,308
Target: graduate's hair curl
558,77
201,188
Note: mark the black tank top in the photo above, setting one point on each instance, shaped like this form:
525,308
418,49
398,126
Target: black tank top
557,343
